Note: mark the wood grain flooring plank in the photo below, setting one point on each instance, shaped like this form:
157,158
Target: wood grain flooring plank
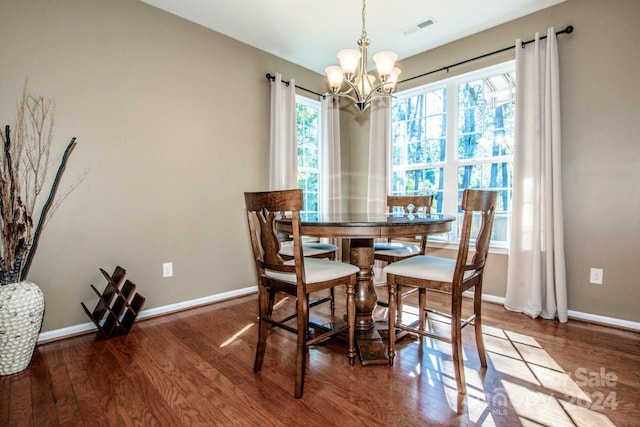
137,396
67,409
172,380
105,378
20,400
44,407
5,390
78,357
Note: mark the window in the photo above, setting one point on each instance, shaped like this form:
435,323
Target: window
308,123
456,134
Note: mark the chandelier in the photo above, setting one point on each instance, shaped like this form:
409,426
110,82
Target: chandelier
362,87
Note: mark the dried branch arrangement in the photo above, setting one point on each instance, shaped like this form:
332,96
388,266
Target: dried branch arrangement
24,163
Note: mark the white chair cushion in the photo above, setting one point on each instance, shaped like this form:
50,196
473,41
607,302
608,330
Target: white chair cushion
426,267
316,270
308,249
396,249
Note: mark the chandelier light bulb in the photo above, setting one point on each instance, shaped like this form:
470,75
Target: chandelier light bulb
349,60
390,86
335,77
384,63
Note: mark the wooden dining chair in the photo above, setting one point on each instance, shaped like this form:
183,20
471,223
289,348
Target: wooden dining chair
391,251
448,276
297,277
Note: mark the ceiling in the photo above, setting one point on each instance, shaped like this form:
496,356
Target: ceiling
309,33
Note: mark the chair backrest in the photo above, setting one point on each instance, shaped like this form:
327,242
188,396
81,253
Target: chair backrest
411,204
480,202
263,209
405,202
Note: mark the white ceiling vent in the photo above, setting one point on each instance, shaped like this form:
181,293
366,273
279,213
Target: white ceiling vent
419,26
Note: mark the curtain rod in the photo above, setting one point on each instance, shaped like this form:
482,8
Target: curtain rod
272,78
567,30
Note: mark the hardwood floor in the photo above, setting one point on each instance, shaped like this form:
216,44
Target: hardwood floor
196,368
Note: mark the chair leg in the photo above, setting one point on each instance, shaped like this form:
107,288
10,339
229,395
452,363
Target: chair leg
456,342
351,321
263,309
332,295
271,302
422,307
393,306
399,305
477,325
302,308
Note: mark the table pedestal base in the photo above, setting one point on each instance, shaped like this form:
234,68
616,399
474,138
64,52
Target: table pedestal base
370,348
369,344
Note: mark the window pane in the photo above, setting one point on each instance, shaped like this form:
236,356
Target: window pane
488,176
308,182
419,127
436,126
307,119
420,182
486,117
437,102
491,176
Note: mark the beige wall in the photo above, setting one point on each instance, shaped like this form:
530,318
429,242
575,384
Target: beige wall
600,137
172,122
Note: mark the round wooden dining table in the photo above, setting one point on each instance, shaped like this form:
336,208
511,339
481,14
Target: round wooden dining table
362,230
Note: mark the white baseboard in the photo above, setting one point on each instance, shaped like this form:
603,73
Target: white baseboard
577,315
69,331
604,320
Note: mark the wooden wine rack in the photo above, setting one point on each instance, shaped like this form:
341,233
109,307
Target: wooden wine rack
118,305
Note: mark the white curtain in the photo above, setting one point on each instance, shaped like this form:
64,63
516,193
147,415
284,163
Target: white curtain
379,155
331,169
379,160
330,165
283,151
536,277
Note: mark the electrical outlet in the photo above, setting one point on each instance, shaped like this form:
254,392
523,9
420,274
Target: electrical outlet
596,276
167,269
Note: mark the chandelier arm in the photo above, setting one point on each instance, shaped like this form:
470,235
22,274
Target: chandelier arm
345,95
373,94
353,88
377,90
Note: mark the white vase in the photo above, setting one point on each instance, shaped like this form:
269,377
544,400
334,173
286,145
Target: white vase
21,313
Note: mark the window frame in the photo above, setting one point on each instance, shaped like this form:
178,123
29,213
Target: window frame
451,165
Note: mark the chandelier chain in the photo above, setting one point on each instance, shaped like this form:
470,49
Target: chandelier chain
364,30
